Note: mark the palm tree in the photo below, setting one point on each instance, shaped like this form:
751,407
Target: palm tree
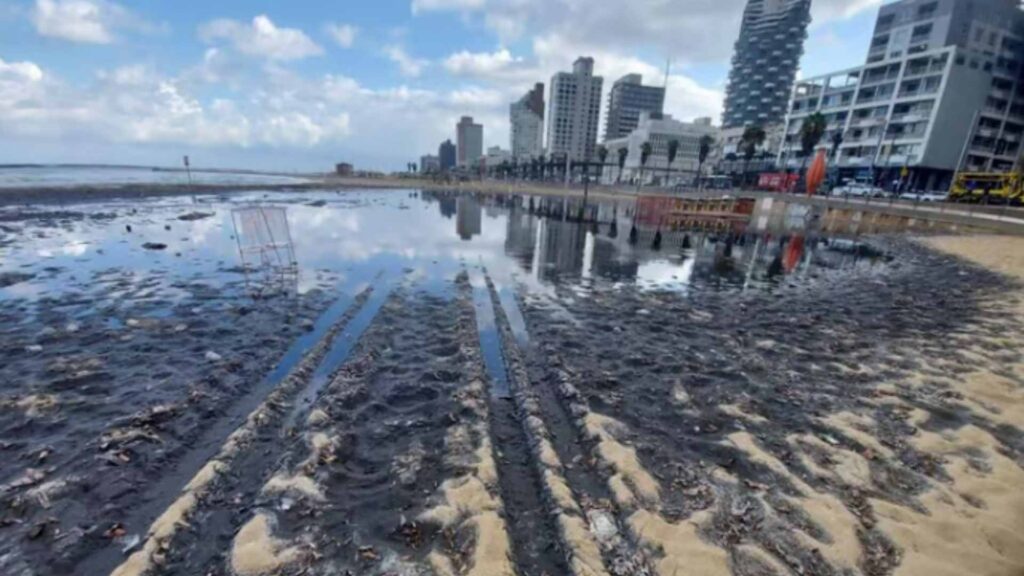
673,151
623,153
811,132
703,151
645,155
752,139
602,156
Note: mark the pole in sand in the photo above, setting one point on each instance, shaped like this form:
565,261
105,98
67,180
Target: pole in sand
188,171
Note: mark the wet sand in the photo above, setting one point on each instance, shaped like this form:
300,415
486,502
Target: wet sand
858,416
826,434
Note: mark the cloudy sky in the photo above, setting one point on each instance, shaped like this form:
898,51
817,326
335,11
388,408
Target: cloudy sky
302,84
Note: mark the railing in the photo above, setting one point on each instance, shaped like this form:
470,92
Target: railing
918,92
922,70
909,117
872,81
873,121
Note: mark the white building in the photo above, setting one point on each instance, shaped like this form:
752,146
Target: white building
526,117
429,164
659,130
941,91
496,155
730,153
469,138
574,111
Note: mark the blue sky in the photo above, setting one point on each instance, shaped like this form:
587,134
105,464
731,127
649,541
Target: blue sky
302,84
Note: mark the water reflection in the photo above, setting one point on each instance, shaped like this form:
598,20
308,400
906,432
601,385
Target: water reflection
319,239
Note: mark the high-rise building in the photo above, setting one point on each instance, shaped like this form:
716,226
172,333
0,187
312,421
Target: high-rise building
574,111
468,217
627,99
469,138
446,155
526,117
768,52
942,90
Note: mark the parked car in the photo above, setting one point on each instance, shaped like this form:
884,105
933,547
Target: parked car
934,197
859,190
924,196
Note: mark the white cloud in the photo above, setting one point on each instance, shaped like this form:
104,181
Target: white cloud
261,38
700,31
477,97
425,5
19,82
482,64
24,71
825,11
134,104
85,21
407,65
344,35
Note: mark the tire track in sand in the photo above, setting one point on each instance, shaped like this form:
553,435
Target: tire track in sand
591,532
155,543
536,535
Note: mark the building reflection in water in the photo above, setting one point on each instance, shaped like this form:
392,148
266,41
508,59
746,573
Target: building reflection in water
658,241
468,217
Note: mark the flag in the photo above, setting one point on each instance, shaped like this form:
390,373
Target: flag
816,174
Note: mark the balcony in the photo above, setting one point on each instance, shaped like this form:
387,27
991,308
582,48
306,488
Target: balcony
988,132
899,159
909,117
874,80
917,93
863,122
914,71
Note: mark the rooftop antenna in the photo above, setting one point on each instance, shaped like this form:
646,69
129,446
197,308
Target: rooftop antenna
668,69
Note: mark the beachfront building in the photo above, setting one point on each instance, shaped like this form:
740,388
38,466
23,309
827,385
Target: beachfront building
526,117
496,156
446,155
941,91
731,154
627,99
574,111
659,130
469,138
430,164
768,52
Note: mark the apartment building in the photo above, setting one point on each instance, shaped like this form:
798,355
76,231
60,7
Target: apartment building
940,91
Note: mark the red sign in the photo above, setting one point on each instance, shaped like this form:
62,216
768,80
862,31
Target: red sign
777,181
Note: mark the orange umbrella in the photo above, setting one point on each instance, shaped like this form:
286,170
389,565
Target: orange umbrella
816,174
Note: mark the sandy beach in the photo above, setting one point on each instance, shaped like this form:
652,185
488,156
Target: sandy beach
450,384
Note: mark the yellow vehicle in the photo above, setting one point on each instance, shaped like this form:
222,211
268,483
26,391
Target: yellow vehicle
987,187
